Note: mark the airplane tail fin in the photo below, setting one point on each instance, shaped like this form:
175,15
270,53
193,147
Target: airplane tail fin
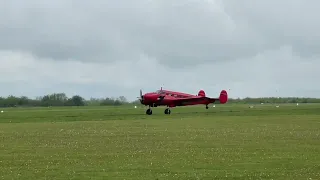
202,93
223,98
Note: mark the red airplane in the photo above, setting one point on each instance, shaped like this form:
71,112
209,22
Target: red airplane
173,99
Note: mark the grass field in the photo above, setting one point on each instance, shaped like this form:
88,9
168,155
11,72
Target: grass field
225,142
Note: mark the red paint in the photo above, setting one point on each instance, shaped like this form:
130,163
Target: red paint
150,98
202,93
223,98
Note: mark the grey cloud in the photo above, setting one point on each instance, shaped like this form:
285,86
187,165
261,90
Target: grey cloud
176,33
293,23
271,73
251,47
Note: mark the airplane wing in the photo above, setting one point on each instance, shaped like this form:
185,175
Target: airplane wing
191,100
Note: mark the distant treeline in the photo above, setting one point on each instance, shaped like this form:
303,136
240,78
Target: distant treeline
60,99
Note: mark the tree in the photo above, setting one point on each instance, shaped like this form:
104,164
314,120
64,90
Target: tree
122,99
77,100
61,99
107,102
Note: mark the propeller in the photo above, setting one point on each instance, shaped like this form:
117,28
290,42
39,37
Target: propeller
141,96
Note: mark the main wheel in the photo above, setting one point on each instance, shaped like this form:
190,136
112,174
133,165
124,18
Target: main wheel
149,111
207,107
167,111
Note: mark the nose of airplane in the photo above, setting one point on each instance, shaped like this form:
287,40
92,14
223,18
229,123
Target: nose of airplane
151,97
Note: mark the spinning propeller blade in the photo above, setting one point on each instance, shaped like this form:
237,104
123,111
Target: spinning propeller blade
141,96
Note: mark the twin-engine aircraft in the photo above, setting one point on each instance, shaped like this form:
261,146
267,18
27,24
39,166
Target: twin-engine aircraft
172,99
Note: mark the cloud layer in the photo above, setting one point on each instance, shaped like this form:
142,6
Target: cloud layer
110,48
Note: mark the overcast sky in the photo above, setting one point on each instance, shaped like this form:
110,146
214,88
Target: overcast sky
101,48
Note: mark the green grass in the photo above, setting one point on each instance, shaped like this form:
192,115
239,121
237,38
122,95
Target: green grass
225,142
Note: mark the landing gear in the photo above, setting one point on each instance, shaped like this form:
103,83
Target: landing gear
149,111
167,111
207,106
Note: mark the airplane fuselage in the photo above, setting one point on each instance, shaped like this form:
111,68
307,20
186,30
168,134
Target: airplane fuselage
173,99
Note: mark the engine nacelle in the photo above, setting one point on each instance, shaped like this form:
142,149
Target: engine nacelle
151,98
